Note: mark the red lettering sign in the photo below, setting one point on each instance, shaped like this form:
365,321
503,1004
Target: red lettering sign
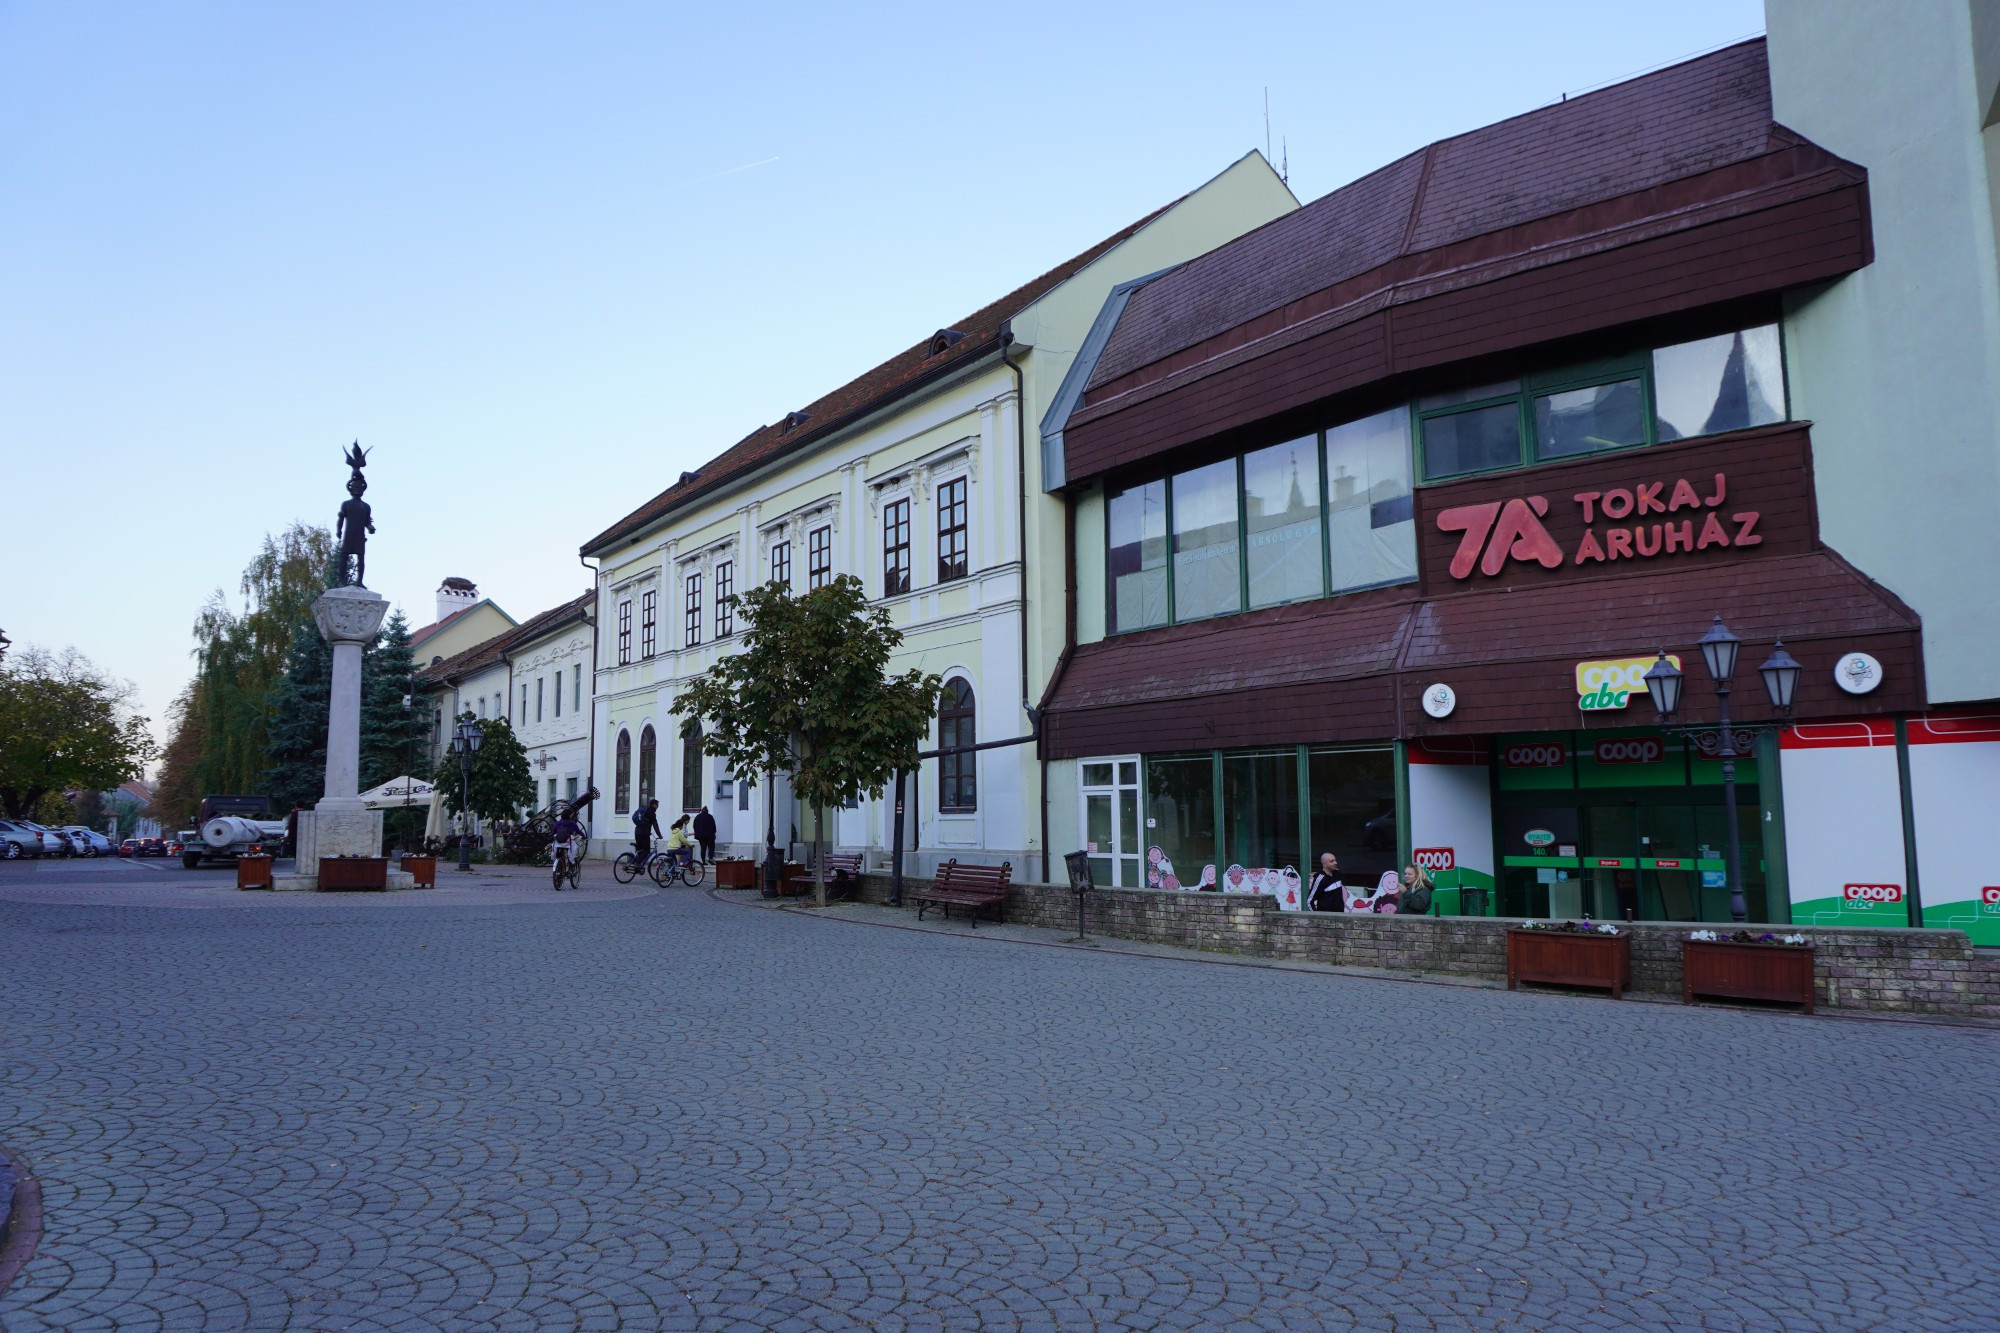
1669,863
1435,859
1635,750
1540,754
1872,893
1495,533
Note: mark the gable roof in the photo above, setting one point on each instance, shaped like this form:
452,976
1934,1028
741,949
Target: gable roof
984,331
490,651
417,636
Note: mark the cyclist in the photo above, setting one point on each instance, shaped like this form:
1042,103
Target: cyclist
562,843
678,846
645,828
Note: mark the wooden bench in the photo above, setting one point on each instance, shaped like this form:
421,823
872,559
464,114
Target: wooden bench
970,887
843,878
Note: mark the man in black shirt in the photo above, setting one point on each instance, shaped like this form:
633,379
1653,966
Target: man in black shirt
645,828
1326,893
704,833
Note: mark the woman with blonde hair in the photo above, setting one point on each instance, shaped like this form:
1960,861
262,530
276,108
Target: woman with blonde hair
1415,898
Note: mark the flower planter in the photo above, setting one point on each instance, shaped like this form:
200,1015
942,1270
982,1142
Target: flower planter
1562,958
424,869
253,872
736,874
1730,970
354,872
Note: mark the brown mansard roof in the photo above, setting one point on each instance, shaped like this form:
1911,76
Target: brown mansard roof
1662,193
909,369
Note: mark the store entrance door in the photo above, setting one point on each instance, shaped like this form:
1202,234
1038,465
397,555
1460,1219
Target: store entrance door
1112,836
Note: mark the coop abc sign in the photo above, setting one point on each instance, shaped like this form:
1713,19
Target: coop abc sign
1610,684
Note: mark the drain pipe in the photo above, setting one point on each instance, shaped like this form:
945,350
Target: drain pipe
1021,513
590,742
1062,661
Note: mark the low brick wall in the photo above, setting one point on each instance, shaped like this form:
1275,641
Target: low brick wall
1903,971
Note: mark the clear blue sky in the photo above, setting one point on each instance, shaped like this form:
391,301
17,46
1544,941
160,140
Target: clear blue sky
521,251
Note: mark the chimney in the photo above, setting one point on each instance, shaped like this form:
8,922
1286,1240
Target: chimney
454,595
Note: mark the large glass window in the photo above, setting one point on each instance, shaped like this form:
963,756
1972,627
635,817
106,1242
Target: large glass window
1206,569
1180,815
621,789
1473,439
1371,527
1281,517
1716,384
958,783
1351,801
1137,556
691,754
1260,802
649,753
1583,421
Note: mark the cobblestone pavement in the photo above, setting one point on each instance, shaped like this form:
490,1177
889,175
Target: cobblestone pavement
672,1112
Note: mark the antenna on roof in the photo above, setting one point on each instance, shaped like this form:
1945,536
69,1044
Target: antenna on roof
1267,122
1284,162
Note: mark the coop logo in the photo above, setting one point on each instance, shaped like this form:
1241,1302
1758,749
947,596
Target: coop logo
1989,897
1549,754
1640,750
1435,859
1605,686
1867,895
1497,531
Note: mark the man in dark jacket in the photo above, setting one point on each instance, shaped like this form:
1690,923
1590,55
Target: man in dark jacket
1326,893
645,828
704,834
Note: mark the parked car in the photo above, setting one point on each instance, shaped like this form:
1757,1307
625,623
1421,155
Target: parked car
54,841
89,842
128,847
151,847
18,840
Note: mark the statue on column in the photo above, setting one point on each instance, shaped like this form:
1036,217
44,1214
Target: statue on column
354,523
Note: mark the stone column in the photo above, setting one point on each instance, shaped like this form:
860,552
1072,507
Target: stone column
342,823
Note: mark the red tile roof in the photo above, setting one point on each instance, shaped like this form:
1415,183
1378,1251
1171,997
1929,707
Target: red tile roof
909,369
489,651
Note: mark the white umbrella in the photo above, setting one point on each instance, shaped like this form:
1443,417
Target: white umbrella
434,823
396,792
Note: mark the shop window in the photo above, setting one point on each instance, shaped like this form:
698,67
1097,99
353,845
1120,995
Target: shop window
1180,810
649,751
896,548
951,530
958,781
1469,431
819,558
621,788
1281,520
1371,527
1587,420
1207,571
1351,808
1136,560
1260,803
1716,384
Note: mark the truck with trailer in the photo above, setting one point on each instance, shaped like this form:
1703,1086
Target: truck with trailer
227,827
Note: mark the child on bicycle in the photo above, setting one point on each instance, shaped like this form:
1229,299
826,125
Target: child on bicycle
678,846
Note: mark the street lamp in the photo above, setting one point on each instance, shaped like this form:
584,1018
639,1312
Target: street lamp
465,741
1719,650
4,642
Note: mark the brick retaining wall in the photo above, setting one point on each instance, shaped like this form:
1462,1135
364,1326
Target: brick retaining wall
1904,971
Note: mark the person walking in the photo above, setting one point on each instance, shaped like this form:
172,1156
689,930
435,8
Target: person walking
704,834
645,828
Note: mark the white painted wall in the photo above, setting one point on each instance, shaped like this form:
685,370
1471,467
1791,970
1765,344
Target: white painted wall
1898,365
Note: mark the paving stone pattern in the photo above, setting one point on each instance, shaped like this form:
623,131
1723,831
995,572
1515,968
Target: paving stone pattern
674,1112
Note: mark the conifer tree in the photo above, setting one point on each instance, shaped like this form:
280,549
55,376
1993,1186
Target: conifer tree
296,771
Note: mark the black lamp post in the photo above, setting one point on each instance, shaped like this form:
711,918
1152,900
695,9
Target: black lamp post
1719,649
465,741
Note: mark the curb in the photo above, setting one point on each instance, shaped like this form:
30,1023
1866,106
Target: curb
21,1228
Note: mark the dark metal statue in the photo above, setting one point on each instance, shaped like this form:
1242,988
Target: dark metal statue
355,522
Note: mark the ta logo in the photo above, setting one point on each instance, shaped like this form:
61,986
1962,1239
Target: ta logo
1509,530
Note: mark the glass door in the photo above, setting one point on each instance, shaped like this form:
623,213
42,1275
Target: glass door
1109,792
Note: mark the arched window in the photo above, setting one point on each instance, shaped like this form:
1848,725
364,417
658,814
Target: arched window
691,769
958,783
648,754
622,788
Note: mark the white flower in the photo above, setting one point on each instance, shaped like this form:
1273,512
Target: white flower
1606,928
1705,935
1794,939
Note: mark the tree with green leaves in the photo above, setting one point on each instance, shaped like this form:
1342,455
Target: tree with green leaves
296,723
393,722
501,784
64,726
810,695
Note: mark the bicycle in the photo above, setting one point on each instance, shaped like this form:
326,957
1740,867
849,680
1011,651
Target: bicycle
628,866
666,867
567,861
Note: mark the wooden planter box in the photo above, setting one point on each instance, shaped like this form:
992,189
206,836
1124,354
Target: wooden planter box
253,872
786,887
736,874
423,868
354,872
1732,970
1558,958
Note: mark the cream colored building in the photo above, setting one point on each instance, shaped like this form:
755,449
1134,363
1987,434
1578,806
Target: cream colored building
913,478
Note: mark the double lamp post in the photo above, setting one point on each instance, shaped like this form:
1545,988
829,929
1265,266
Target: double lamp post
1719,649
465,741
